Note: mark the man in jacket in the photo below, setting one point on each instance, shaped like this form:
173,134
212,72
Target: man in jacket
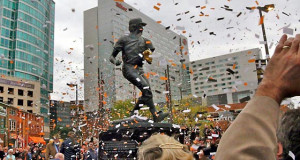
52,148
253,134
70,148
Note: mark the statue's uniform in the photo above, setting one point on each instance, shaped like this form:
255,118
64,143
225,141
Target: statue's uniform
132,48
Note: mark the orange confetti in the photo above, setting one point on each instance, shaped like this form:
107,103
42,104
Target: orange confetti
97,27
212,8
59,119
184,66
140,94
148,42
153,73
234,66
147,75
261,20
135,66
159,22
203,7
99,44
171,61
253,8
251,60
119,0
11,61
183,31
3,76
164,78
185,53
256,3
249,52
71,48
191,71
157,8
158,4
181,47
174,65
245,83
105,95
104,102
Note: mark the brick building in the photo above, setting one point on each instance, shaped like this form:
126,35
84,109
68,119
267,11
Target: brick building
19,127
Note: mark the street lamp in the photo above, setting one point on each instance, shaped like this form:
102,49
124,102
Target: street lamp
72,85
266,9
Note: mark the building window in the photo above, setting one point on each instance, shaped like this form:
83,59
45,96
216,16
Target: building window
12,125
30,93
10,91
10,101
12,112
20,92
30,111
29,103
20,102
1,89
1,99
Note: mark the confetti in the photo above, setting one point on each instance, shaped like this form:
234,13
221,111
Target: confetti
157,8
289,31
164,78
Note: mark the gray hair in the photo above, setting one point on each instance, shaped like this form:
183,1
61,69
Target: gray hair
288,131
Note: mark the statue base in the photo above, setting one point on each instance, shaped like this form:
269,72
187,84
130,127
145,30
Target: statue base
124,136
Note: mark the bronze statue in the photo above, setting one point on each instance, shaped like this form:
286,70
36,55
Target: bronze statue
135,50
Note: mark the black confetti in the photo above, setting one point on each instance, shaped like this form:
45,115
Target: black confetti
239,14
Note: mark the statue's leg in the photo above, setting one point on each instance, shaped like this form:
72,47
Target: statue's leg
137,78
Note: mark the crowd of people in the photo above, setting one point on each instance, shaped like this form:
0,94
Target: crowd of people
54,150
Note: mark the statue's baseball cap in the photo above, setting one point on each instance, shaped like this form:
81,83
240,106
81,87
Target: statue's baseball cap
137,21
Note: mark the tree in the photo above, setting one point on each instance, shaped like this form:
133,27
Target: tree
62,131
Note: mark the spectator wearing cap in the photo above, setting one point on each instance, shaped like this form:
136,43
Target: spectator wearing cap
10,155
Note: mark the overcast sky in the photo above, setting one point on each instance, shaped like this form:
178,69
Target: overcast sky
219,32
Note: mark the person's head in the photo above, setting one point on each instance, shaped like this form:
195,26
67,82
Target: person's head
136,25
20,150
56,139
59,156
10,151
71,134
91,145
288,134
163,147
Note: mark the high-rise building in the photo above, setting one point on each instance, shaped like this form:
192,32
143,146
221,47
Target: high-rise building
227,79
104,82
27,44
60,114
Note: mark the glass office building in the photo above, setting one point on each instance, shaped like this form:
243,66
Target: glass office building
27,43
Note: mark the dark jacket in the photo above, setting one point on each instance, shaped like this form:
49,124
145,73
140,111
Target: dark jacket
70,150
